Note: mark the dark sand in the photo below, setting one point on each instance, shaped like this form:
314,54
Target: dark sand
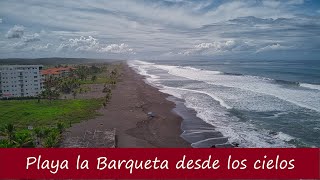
127,112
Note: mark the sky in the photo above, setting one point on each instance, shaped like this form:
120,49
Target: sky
168,29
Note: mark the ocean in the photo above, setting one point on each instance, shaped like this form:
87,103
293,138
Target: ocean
254,103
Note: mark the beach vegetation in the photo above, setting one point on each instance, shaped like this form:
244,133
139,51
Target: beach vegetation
52,139
41,121
94,78
17,119
8,131
23,113
23,138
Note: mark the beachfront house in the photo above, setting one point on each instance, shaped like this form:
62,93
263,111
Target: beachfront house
57,72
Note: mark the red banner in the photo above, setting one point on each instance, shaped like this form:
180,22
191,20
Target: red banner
237,163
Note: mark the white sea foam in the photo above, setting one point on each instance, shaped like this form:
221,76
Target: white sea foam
310,86
212,105
222,103
137,66
237,131
284,137
300,97
276,115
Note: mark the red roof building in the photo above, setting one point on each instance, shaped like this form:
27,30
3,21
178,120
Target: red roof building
57,72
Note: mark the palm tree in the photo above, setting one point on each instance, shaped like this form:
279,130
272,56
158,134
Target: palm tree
106,89
93,78
39,132
51,82
60,127
74,93
108,96
23,139
114,73
82,72
39,97
67,85
9,131
52,140
51,89
50,94
4,143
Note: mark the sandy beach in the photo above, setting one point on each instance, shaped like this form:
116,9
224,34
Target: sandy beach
127,113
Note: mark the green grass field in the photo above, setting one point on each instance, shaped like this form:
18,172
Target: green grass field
99,80
23,113
102,78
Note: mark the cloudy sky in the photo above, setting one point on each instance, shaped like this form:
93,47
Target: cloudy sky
168,29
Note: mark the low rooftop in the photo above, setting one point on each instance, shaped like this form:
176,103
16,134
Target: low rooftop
56,70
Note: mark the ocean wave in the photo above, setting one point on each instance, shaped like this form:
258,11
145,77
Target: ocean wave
244,133
278,114
261,85
284,137
221,102
135,62
299,97
286,82
310,86
247,93
136,65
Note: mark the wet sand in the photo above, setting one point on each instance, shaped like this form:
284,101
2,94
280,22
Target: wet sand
127,112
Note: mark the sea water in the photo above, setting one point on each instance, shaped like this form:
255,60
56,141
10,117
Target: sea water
253,103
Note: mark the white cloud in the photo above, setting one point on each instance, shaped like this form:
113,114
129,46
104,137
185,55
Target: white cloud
153,28
271,3
32,38
41,47
117,48
295,2
22,45
273,47
23,42
278,3
84,44
233,46
235,9
19,45
91,44
80,44
16,32
216,47
144,14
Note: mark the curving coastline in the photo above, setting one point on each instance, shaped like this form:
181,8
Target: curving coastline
127,112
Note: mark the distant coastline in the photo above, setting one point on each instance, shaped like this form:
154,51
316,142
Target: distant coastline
54,61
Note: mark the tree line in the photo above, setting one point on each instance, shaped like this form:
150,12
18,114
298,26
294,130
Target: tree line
54,86
38,137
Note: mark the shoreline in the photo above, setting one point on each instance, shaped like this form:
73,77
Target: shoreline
127,112
197,132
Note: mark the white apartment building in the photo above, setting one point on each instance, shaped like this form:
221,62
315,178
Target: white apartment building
20,80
